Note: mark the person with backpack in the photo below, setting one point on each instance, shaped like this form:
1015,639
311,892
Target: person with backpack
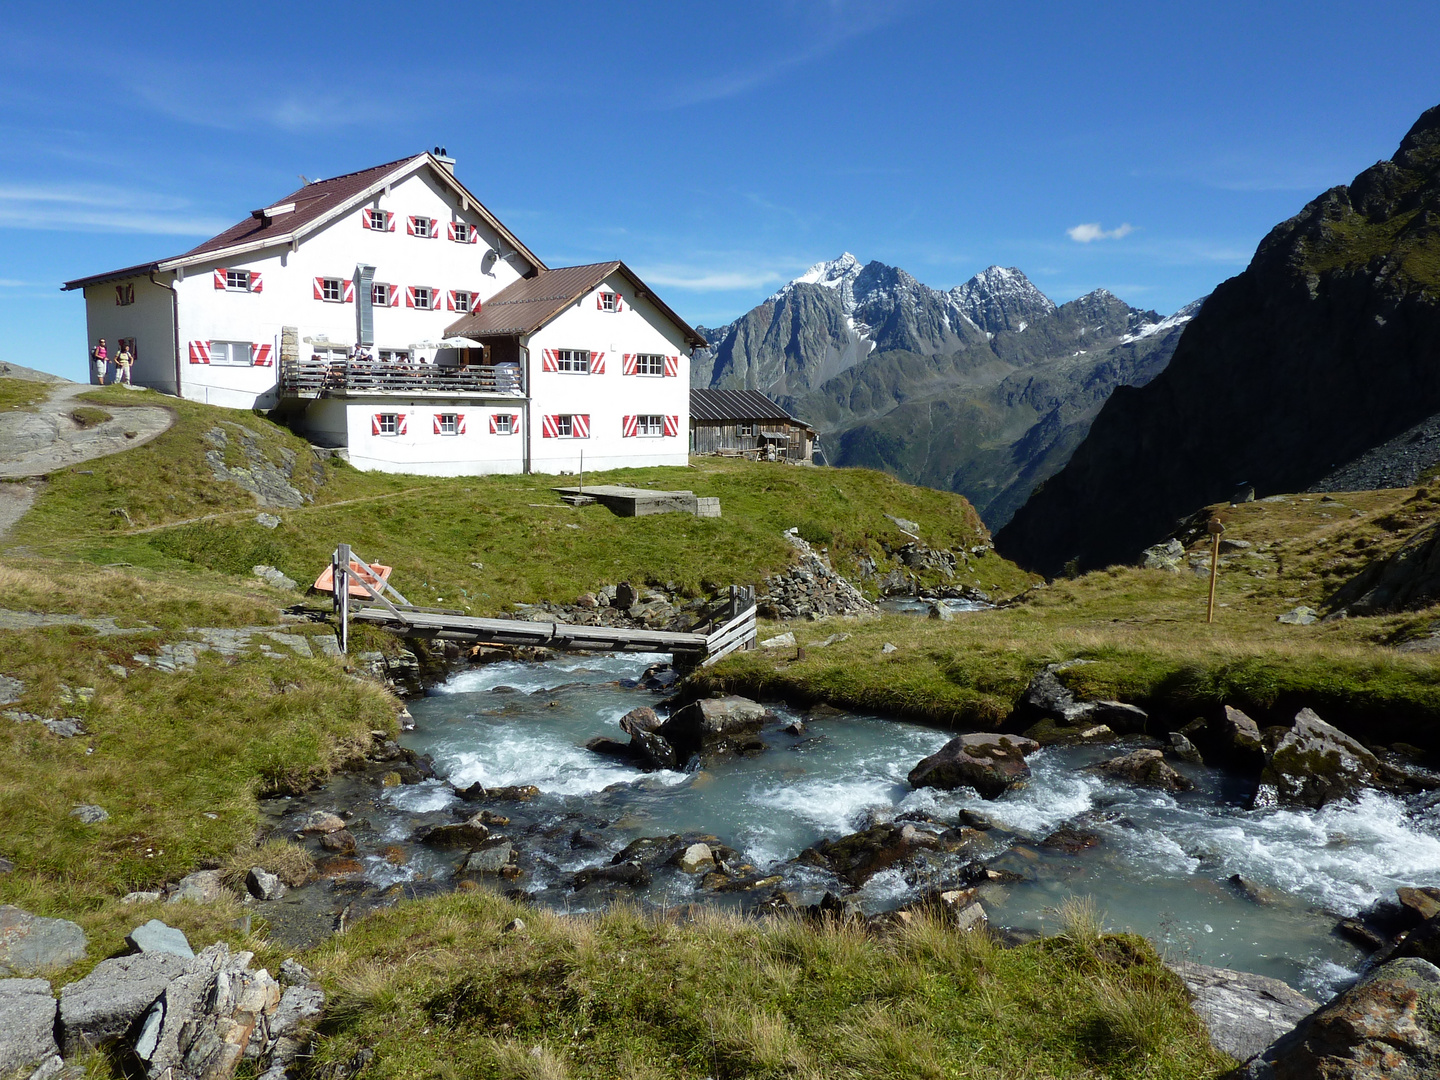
123,359
99,363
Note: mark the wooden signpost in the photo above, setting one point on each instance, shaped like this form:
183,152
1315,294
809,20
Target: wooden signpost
1215,528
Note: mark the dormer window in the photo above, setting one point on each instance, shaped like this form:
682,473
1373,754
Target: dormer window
609,301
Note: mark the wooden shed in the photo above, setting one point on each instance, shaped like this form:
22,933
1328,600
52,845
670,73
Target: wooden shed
746,422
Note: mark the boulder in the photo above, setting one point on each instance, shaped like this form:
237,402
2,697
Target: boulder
988,762
779,641
860,856
712,725
90,814
696,858
201,887
1315,763
1047,696
263,885
641,719
1422,904
1116,715
1300,616
1244,1013
1166,556
1385,1027
1240,734
478,792
653,751
469,834
1069,840
102,1006
341,841
298,1005
607,747
31,943
1050,732
1184,749
322,821
294,973
1147,768
489,860
1423,942
629,874
154,936
27,1023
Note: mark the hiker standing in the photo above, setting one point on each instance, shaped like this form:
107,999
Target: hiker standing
99,362
123,360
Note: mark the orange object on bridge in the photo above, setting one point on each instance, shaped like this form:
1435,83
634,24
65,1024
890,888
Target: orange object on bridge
375,574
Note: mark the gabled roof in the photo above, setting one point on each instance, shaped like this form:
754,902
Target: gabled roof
307,210
524,306
725,405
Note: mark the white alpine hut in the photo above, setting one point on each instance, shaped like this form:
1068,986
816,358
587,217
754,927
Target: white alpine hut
387,312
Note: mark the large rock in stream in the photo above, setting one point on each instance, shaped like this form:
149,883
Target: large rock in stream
1315,763
712,726
1244,1013
990,763
1385,1027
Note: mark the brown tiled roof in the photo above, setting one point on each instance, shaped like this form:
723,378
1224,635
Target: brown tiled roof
312,203
725,405
528,304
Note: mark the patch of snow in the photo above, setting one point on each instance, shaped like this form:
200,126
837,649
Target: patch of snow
1180,318
1022,327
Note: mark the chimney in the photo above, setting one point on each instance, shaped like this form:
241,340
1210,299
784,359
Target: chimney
446,161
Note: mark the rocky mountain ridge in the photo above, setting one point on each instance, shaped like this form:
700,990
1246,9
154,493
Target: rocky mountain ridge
1325,348
983,389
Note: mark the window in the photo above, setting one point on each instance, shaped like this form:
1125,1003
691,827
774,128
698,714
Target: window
649,364
394,356
422,226
328,354
447,423
376,220
744,429
565,426
232,353
424,298
332,288
386,424
460,231
572,360
237,280
460,300
650,425
569,426
379,294
124,294
609,302
502,424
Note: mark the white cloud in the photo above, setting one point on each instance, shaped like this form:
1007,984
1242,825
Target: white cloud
706,280
105,209
1084,234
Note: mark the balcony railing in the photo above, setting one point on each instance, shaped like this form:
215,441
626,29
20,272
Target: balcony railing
318,378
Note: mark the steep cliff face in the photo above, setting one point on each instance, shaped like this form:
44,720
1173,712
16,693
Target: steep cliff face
1327,345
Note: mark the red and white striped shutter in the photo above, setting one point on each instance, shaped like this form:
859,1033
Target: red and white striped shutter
627,428
672,366
367,220
389,221
474,235
672,425
514,423
550,427
435,418
599,301
459,423
409,295
349,293
434,228
435,294
402,422
580,425
619,302
199,352
219,278
628,367
450,230
257,282
319,288
450,300
548,361
597,363
375,424
494,424
261,353
394,295
410,224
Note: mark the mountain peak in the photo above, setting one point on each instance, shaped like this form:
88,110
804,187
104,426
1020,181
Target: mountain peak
1001,298
829,274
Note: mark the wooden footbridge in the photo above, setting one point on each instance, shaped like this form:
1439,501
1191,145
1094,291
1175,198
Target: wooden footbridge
363,593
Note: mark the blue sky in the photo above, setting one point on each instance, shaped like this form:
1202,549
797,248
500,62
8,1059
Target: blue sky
718,149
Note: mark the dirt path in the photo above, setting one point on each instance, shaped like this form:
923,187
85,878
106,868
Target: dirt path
46,439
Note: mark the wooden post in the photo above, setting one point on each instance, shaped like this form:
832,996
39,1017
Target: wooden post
340,580
1215,528
582,472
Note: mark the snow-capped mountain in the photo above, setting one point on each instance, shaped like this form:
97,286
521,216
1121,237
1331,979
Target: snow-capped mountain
1000,298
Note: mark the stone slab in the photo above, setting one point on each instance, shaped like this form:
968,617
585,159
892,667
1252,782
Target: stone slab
32,943
27,1023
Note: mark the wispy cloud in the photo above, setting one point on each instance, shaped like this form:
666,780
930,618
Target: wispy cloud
295,110
700,279
1091,231
11,283
104,209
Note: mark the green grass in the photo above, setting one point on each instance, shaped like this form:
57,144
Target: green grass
438,989
21,394
1355,241
89,416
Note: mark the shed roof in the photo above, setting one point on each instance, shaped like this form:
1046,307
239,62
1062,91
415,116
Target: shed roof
310,207
726,405
524,306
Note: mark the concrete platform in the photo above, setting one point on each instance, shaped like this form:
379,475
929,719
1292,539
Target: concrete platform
640,502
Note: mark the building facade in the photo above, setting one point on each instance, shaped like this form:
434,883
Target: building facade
395,261
747,423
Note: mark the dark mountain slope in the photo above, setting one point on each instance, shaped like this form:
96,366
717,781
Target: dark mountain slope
1327,345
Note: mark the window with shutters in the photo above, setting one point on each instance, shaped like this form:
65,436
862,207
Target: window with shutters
650,425
231,353
237,280
609,302
565,426
375,220
577,360
332,288
463,231
649,364
420,226
503,423
462,301
387,423
379,294
448,423
394,356
124,295
424,298
744,429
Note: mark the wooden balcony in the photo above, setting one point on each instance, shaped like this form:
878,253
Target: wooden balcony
317,378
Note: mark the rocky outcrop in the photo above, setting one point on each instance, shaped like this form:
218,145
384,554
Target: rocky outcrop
1244,1013
713,726
1055,715
991,764
810,588
1147,768
27,1023
1315,763
1327,345
1385,1027
1410,578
